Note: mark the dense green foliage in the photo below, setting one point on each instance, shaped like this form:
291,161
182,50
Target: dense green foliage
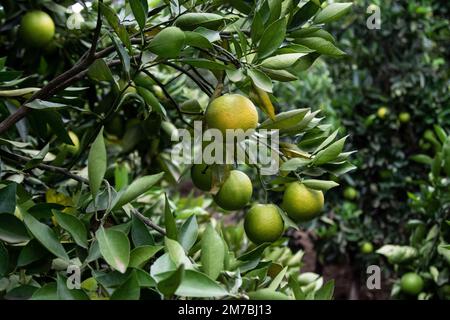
403,69
88,188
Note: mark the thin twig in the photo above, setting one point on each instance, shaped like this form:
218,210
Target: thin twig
192,77
148,221
168,95
21,159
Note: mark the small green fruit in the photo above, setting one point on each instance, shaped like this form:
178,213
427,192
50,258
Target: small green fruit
168,43
404,117
411,283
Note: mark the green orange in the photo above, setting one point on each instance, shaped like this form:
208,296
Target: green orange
366,247
231,111
263,223
201,176
301,203
411,283
235,192
37,28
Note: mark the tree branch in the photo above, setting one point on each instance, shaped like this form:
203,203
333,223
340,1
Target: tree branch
55,84
148,221
192,77
167,94
21,159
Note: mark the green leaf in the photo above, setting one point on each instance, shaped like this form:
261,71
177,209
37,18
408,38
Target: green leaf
12,229
189,233
129,290
99,71
260,79
41,104
176,253
320,184
64,293
277,280
141,255
74,226
4,260
48,291
171,282
114,22
422,158
97,163
213,253
255,253
397,254
285,120
22,292
295,286
124,56
114,247
327,141
137,188
294,164
440,132
138,12
267,294
308,10
320,45
204,64
32,252
168,43
192,20
17,92
151,101
45,236
120,176
330,153
272,38
257,27
282,61
332,12
169,220
8,198
140,234
197,40
326,292
199,285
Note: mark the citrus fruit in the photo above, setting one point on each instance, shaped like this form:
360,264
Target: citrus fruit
235,192
382,112
350,193
301,203
201,176
404,117
231,111
263,223
366,247
411,283
168,43
37,28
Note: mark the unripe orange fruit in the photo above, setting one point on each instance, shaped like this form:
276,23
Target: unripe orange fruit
301,203
263,223
235,192
231,111
37,28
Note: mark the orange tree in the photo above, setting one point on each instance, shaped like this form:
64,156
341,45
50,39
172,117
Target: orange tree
90,94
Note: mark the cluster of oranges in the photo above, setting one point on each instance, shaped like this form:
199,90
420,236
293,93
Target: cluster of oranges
263,222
